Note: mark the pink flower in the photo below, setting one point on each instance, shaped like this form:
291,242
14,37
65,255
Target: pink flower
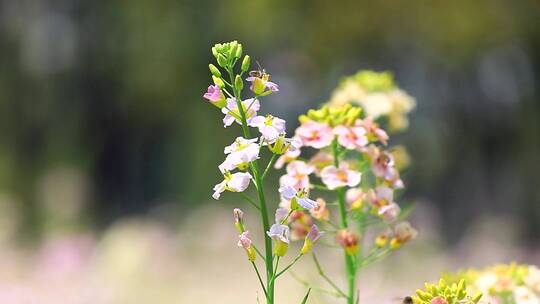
314,134
297,175
270,127
389,212
380,197
373,130
355,198
353,138
320,160
404,232
232,113
438,300
335,178
214,94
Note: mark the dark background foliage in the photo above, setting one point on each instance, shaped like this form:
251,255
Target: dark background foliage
113,89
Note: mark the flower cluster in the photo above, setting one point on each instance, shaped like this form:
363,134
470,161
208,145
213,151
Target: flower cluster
443,293
240,168
349,164
378,95
504,284
351,161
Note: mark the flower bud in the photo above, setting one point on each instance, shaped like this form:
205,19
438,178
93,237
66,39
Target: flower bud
381,240
245,63
222,61
245,242
312,237
238,83
218,81
348,240
214,51
238,53
239,219
214,70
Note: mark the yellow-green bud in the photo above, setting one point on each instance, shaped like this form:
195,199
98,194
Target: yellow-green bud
238,83
308,244
251,254
218,81
222,61
238,53
280,248
477,297
214,51
245,63
214,70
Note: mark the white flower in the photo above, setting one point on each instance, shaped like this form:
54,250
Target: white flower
334,177
279,233
290,193
236,182
270,127
250,107
240,152
533,278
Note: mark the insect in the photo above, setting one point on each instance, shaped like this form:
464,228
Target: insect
259,73
405,300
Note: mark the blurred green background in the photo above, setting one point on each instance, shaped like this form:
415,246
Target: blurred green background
111,91
105,136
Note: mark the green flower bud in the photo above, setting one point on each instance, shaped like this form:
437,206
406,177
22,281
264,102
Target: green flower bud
218,81
245,63
214,51
238,83
222,61
238,53
214,70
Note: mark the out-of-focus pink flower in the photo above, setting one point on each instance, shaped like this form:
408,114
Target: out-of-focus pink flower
373,132
312,236
353,138
438,300
320,212
334,177
321,160
315,134
380,197
297,175
389,212
244,241
404,232
291,154
355,198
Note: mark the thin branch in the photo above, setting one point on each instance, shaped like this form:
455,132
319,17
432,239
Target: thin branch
320,289
270,163
290,265
326,278
260,279
251,201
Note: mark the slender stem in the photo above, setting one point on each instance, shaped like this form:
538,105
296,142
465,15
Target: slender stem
323,290
349,262
319,187
258,252
290,265
260,279
262,201
286,217
270,163
247,198
326,278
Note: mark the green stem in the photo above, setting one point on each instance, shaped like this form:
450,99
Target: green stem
270,163
289,266
260,279
262,201
326,278
350,266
